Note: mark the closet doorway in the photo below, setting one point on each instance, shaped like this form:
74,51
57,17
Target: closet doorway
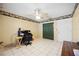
48,31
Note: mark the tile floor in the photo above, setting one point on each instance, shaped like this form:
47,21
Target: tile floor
41,47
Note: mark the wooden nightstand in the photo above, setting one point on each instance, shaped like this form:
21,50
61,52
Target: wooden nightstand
67,49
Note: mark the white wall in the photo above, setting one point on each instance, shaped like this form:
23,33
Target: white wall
9,27
76,25
62,29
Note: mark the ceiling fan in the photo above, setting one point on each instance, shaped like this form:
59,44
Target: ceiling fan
40,14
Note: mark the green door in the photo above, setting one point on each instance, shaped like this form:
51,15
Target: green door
48,32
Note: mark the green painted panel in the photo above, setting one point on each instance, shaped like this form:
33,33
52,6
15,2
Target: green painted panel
48,32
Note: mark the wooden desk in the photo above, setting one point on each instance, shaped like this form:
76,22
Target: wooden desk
18,41
67,49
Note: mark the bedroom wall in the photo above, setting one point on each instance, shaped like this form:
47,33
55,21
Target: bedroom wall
9,27
0,29
62,30
76,25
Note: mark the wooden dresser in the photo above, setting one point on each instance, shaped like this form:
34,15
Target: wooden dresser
67,48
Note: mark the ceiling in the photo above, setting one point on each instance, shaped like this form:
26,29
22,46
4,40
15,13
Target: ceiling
50,10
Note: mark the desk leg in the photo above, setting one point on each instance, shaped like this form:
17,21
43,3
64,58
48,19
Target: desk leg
18,44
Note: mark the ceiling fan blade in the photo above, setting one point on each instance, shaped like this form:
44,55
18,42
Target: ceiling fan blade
44,15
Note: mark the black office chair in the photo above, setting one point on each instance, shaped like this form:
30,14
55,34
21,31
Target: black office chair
27,38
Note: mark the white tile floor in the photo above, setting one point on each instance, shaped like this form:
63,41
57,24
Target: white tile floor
41,47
